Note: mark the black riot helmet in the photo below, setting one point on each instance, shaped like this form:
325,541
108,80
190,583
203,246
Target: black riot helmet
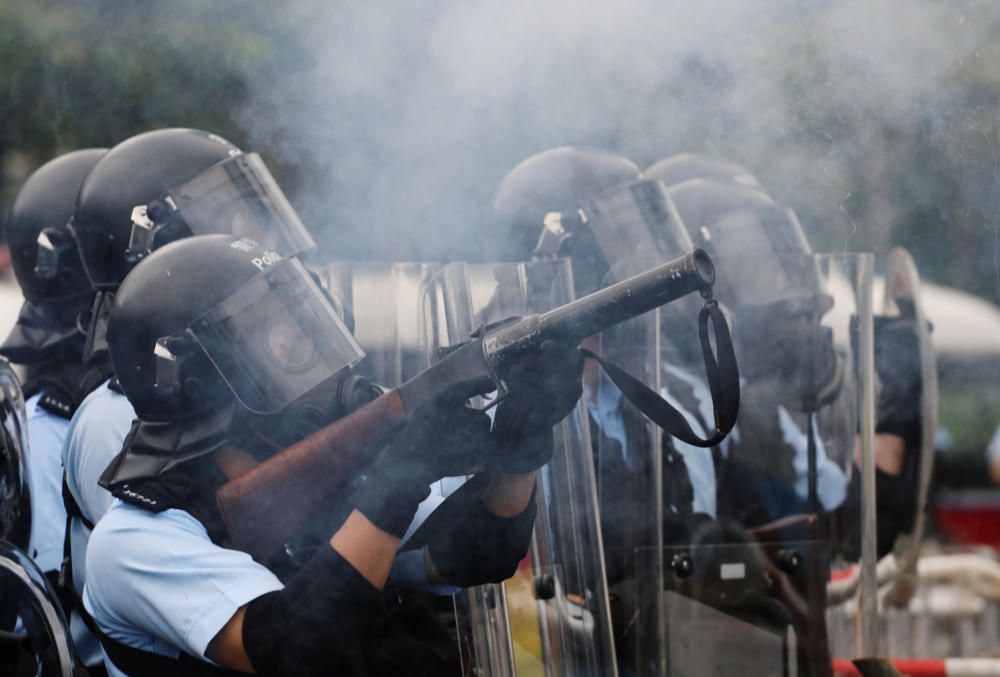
546,187
45,261
766,276
685,166
167,184
214,324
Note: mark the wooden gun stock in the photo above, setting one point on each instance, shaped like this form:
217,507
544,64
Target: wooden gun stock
265,506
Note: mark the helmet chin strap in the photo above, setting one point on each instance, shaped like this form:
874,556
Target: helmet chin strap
96,346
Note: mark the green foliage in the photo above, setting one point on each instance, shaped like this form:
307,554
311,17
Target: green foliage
83,74
862,176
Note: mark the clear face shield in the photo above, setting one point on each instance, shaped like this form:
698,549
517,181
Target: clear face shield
754,243
611,228
236,197
273,340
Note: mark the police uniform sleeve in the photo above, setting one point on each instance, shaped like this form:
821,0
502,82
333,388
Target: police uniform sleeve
156,582
46,433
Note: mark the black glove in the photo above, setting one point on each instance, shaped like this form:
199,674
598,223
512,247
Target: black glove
897,362
441,439
545,387
467,544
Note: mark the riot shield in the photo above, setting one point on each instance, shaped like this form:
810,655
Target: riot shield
721,557
559,615
15,500
385,300
907,405
34,639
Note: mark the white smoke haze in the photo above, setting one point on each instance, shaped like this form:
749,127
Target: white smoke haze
410,116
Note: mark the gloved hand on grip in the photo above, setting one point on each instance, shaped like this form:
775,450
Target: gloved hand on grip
441,439
544,388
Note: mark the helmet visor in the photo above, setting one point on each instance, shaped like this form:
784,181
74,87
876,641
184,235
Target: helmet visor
240,197
638,216
276,338
754,247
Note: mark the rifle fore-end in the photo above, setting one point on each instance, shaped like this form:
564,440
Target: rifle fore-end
264,507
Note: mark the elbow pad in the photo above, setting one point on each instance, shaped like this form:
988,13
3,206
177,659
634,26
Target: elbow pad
316,624
468,544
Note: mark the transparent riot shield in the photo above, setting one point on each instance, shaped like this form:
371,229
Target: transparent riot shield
385,301
907,403
558,612
721,558
15,500
34,639
552,618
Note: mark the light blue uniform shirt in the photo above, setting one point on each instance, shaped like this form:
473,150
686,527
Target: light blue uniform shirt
46,433
606,411
95,436
700,466
155,581
831,480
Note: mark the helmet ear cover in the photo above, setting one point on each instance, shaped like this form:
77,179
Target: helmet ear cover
181,367
53,246
558,229
153,226
171,353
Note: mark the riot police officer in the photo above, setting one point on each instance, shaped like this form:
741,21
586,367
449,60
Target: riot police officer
46,338
752,235
744,227
547,186
149,190
543,208
211,338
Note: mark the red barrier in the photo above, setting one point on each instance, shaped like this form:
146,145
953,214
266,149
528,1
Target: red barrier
929,667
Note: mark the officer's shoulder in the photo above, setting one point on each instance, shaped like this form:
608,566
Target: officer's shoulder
128,527
101,410
102,397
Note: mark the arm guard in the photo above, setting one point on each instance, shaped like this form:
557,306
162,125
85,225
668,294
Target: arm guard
468,544
315,625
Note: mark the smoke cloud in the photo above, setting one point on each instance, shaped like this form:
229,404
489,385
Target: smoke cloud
406,120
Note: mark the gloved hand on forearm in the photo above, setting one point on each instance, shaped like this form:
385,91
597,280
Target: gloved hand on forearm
545,387
442,439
